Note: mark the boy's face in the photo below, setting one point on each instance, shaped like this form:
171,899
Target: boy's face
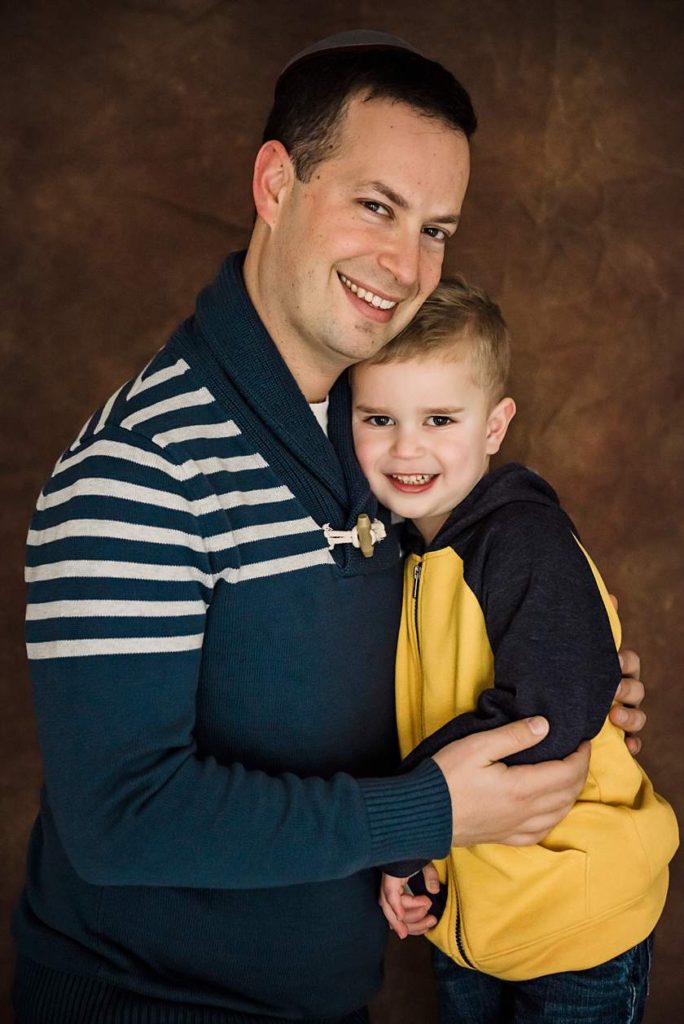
423,432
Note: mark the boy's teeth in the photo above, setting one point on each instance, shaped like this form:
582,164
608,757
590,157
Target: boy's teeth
413,478
369,297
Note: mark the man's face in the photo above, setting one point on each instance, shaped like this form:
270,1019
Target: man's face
357,249
423,432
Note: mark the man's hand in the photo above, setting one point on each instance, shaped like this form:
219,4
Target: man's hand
630,693
407,914
518,806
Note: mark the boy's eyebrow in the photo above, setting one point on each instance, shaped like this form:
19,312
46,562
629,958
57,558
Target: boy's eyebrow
443,410
398,200
432,410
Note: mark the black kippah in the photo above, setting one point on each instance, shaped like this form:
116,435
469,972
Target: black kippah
357,39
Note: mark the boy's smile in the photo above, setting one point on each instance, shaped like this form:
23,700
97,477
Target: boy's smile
424,431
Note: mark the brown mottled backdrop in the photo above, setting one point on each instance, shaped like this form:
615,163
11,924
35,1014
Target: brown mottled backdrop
128,131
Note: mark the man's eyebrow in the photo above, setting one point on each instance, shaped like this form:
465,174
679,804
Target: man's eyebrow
394,197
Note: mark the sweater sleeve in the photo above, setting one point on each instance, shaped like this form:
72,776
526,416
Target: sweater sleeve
120,580
549,630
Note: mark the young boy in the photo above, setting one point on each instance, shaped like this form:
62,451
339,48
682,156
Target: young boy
504,617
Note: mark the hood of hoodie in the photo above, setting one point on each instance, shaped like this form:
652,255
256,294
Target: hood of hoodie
504,486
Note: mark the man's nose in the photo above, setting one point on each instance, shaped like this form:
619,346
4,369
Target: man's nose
401,258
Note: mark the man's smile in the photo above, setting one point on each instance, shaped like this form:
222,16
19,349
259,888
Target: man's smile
379,307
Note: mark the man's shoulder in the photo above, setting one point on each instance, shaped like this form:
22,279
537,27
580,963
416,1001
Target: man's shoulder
167,408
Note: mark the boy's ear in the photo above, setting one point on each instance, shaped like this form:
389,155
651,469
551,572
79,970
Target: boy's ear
272,180
497,424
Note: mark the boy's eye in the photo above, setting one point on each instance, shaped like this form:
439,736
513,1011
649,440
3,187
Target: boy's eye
379,421
439,421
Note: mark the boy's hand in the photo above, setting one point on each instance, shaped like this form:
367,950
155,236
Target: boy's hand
407,914
630,693
519,805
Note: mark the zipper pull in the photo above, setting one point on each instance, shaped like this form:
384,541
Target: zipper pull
417,569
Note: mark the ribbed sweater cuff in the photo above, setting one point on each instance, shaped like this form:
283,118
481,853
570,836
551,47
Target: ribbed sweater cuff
410,815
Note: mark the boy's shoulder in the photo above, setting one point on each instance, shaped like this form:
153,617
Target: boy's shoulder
509,507
514,522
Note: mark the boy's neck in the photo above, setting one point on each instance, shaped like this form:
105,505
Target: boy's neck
429,526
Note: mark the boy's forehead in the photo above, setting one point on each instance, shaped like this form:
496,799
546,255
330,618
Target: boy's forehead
440,371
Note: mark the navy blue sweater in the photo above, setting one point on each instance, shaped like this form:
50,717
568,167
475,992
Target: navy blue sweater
214,695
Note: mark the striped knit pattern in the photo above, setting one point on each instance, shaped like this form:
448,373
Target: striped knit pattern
158,498
214,699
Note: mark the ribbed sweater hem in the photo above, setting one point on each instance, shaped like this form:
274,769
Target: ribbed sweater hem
409,815
45,996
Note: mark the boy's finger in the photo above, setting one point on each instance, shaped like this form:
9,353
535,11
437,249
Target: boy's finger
393,921
431,878
393,895
421,927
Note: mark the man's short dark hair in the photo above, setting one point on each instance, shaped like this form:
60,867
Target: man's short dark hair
312,97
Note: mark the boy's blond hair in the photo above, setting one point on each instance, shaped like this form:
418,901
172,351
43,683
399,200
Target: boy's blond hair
457,318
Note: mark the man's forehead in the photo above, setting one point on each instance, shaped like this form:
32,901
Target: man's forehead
395,157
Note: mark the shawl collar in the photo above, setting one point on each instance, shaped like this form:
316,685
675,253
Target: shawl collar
245,368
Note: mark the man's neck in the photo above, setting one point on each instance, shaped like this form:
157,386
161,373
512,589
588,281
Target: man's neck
313,381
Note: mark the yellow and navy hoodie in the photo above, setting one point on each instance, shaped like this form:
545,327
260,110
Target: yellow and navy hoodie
506,616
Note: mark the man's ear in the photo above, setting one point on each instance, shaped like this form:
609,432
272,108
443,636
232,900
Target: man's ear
272,180
497,424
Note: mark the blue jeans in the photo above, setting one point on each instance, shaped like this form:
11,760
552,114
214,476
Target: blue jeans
612,993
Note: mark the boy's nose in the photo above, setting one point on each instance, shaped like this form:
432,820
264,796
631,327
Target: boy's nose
406,445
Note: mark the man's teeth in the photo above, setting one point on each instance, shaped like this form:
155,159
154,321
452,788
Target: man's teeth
369,297
413,478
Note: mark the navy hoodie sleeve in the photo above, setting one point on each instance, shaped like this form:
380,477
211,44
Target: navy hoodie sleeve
554,653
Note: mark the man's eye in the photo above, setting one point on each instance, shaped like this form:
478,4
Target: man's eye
439,421
379,421
439,234
375,207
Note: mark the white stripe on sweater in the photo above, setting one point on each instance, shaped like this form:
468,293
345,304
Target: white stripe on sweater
80,435
269,530
264,496
103,487
115,529
275,566
185,471
128,453
107,409
97,569
196,432
186,400
160,377
112,609
113,645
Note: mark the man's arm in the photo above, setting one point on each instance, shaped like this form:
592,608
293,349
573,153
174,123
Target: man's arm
120,579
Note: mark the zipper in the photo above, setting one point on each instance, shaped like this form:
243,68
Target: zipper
417,570
459,936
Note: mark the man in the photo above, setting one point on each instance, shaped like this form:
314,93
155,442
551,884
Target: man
212,618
